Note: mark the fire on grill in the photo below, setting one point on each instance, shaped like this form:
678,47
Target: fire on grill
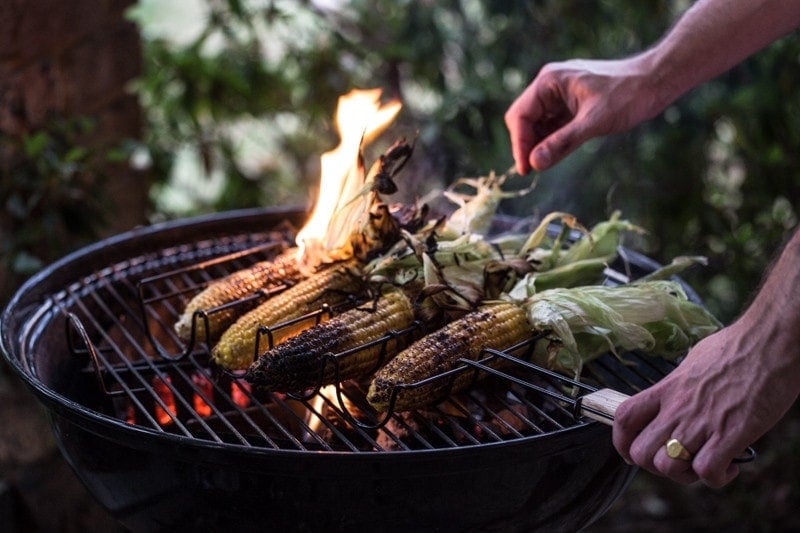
422,371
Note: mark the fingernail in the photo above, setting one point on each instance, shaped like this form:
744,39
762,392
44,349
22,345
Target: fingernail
542,157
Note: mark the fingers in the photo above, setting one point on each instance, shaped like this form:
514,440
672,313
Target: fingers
522,140
631,418
713,463
540,144
538,112
558,145
542,124
640,436
521,119
708,464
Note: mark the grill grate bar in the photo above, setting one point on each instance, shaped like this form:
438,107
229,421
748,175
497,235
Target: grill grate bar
339,410
256,406
164,378
306,431
147,364
104,366
434,430
210,403
401,424
480,427
527,420
202,268
100,361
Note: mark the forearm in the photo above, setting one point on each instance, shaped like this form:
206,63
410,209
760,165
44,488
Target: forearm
713,36
572,101
774,314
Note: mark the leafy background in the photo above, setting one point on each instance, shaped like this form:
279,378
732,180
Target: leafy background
238,98
243,105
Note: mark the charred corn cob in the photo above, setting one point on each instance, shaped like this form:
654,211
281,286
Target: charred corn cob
300,362
236,348
239,284
494,325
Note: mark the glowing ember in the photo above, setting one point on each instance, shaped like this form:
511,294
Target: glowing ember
202,382
161,387
360,118
130,415
239,392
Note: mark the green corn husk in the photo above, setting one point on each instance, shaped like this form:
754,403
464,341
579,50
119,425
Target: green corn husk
678,265
581,272
601,242
654,317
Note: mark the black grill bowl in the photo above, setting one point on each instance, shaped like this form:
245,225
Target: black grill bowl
152,480
560,482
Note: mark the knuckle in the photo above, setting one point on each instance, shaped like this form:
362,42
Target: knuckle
560,144
512,117
546,71
622,416
710,474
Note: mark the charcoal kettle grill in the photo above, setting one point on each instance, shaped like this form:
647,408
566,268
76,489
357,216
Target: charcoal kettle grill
163,440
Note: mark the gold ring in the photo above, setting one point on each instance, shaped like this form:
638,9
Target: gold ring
675,450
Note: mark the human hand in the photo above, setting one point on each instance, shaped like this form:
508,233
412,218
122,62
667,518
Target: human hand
569,103
726,394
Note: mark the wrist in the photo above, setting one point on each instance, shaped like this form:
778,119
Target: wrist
666,79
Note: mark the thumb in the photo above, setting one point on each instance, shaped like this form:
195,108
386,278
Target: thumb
558,145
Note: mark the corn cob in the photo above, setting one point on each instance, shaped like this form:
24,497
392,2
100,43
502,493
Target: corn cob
300,362
493,325
236,348
235,286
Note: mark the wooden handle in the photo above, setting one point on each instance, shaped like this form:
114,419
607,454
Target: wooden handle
602,405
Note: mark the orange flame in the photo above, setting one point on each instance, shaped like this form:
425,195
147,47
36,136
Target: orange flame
360,118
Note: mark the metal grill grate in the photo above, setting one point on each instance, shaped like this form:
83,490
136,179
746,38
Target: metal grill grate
119,326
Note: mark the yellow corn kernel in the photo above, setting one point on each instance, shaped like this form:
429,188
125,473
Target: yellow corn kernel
302,362
235,286
497,326
237,345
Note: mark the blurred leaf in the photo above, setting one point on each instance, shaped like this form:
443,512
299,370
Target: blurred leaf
35,144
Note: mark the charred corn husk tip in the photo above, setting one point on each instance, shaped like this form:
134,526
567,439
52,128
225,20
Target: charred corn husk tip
493,325
305,361
236,348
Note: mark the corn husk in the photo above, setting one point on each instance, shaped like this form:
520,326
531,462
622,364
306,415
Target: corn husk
476,211
581,263
654,317
602,241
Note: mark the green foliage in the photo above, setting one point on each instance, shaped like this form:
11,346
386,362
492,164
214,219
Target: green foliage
50,186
